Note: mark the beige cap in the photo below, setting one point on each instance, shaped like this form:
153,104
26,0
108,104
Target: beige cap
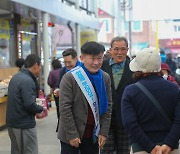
147,60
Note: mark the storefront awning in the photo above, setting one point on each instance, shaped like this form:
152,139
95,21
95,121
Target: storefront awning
62,11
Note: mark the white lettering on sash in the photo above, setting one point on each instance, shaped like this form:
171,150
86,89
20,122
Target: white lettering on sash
89,92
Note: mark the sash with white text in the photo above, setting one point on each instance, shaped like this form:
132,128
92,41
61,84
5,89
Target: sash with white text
88,90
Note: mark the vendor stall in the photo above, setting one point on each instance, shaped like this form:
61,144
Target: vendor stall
5,76
3,101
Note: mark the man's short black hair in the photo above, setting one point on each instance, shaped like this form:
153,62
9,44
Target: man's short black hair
31,60
92,48
70,51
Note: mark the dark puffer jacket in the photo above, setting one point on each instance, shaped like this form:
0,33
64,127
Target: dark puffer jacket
21,105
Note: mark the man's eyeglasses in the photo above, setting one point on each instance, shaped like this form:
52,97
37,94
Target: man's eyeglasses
123,49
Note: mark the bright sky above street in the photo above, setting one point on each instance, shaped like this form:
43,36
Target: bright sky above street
156,9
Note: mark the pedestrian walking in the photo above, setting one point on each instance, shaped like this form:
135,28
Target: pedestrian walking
85,104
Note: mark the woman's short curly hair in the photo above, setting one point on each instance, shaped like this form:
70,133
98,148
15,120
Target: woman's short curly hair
138,75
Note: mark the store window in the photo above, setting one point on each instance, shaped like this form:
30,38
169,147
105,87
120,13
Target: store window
177,28
107,24
4,43
137,26
26,38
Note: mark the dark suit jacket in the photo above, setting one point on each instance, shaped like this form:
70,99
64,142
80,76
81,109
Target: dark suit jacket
61,73
117,93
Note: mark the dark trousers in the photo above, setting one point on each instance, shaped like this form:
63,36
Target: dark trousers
86,147
56,99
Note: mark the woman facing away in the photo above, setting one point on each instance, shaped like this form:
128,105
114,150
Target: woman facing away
151,129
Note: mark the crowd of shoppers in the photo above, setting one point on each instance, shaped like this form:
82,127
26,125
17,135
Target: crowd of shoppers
107,105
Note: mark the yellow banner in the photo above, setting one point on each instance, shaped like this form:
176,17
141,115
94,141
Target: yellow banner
88,35
4,29
26,27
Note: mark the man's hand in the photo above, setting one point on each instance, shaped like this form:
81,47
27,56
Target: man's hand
101,141
165,149
56,92
75,142
156,149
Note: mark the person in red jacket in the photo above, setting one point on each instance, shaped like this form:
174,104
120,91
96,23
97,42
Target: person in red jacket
167,73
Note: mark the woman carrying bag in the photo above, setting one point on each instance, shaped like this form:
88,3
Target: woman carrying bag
151,107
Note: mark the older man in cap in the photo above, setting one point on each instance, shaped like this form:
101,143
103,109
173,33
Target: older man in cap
85,104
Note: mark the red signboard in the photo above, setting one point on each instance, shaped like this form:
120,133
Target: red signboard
174,43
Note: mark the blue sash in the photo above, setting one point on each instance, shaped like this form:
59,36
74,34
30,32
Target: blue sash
88,90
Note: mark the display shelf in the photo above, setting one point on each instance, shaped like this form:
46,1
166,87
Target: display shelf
3,99
3,102
7,72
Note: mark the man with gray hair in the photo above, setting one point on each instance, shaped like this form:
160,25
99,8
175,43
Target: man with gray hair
121,76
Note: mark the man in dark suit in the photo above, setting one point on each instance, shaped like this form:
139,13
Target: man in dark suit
70,61
121,76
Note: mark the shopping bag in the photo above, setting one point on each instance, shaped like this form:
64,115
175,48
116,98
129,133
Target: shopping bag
42,101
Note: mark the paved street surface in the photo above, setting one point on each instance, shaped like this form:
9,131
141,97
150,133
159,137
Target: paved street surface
47,137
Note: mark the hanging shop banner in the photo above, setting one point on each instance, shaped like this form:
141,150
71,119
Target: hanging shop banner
88,35
26,28
4,29
4,52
